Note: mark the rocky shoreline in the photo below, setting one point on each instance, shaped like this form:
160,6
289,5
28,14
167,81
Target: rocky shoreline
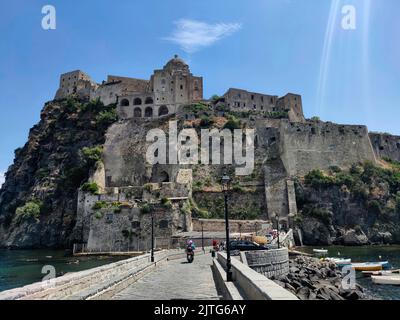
312,279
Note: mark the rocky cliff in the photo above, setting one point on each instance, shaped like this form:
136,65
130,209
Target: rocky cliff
38,198
354,207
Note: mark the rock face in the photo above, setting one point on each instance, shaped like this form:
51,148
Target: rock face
49,169
354,238
310,279
347,208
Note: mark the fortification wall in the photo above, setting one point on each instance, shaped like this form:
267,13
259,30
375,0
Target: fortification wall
235,226
319,145
385,145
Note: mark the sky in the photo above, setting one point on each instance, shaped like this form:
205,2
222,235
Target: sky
345,75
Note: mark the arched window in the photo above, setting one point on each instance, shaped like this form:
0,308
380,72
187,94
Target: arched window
137,102
163,111
149,100
124,102
163,177
148,112
137,113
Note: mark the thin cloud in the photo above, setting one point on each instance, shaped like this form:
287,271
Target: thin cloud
193,35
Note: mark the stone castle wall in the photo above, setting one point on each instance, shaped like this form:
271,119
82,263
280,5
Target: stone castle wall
386,145
319,145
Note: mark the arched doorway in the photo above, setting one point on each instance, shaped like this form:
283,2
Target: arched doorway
137,102
149,100
163,111
124,102
148,112
137,113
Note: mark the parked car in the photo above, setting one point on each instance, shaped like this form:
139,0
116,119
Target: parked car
245,245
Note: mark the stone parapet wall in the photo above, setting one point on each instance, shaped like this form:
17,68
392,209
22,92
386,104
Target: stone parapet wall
89,283
269,262
235,226
250,284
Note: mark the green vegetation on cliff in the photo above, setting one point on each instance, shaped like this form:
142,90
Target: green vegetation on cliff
365,198
62,150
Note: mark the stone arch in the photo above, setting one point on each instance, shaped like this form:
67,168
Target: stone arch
137,112
159,176
137,102
163,177
163,111
149,100
148,112
124,102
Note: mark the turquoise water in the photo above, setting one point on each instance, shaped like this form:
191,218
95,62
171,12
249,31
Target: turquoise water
366,254
21,267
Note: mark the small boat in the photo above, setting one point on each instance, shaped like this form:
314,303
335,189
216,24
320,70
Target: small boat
387,279
339,261
370,266
320,251
380,273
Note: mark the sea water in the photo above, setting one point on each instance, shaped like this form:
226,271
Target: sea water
369,254
21,267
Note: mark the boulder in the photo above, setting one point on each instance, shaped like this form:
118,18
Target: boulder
355,238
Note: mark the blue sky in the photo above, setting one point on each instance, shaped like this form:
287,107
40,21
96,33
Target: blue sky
270,46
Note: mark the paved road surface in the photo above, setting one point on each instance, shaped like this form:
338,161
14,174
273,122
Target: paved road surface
175,279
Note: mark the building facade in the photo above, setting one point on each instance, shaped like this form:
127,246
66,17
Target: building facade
168,89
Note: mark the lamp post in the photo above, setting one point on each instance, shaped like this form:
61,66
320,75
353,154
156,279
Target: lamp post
202,236
152,237
225,182
276,216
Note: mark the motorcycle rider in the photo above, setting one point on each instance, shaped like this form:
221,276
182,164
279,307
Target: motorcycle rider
191,245
190,251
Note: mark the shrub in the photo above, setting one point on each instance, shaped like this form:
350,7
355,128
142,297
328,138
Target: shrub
92,155
196,108
315,119
148,187
30,209
317,179
206,121
106,118
71,105
145,208
278,114
335,169
100,205
232,123
166,203
91,187
355,169
98,215
344,179
198,185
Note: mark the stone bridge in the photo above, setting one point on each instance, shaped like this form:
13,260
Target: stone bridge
170,277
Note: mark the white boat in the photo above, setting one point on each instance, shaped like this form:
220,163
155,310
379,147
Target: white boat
387,279
320,251
381,273
339,261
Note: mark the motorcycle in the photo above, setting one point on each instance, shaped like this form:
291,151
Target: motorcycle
189,254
